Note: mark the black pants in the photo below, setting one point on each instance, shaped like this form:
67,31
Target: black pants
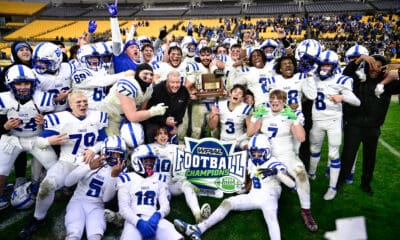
353,137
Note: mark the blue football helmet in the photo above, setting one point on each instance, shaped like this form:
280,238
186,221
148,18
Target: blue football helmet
327,57
114,150
259,149
17,74
47,58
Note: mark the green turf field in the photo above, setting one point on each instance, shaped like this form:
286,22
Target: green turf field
381,210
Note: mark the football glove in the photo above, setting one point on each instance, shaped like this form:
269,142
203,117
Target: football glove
260,111
163,33
92,26
266,172
158,110
154,220
379,89
113,9
145,229
288,112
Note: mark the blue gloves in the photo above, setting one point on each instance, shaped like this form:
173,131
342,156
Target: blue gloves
145,229
266,172
154,220
92,26
112,9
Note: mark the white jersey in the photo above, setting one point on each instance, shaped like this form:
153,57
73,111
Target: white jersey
232,121
93,84
94,186
295,87
128,87
260,185
54,83
323,107
256,81
82,133
41,102
162,69
278,129
142,196
166,154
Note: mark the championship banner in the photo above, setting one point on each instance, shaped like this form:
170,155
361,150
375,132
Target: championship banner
211,165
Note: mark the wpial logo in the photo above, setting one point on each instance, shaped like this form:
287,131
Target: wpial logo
211,165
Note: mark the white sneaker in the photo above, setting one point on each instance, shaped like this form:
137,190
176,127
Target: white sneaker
330,194
205,210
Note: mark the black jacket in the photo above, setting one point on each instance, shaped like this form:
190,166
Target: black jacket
372,111
176,103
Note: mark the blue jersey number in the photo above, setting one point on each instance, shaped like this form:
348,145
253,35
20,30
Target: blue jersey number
31,125
146,198
94,188
293,96
319,101
273,131
88,140
230,127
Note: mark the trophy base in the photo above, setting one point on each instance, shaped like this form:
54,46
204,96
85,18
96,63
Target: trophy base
210,94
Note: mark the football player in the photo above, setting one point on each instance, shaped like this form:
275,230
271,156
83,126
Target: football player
161,69
333,89
96,184
166,154
92,78
280,123
80,133
232,115
253,77
53,75
25,108
143,200
266,173
127,95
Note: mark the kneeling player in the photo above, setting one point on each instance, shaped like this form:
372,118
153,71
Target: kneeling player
96,185
266,174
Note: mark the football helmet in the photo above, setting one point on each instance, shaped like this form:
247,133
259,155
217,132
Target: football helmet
354,52
22,196
132,133
105,51
270,43
114,149
21,73
189,51
143,40
259,149
89,56
229,42
307,53
146,164
47,58
327,57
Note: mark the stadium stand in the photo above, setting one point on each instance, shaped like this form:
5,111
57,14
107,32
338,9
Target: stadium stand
20,8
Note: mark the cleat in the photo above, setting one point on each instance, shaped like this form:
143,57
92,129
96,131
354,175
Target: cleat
330,194
327,172
205,210
19,182
113,218
3,203
187,229
309,220
349,179
367,189
30,229
312,176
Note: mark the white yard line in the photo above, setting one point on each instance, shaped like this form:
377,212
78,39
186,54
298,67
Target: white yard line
390,148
